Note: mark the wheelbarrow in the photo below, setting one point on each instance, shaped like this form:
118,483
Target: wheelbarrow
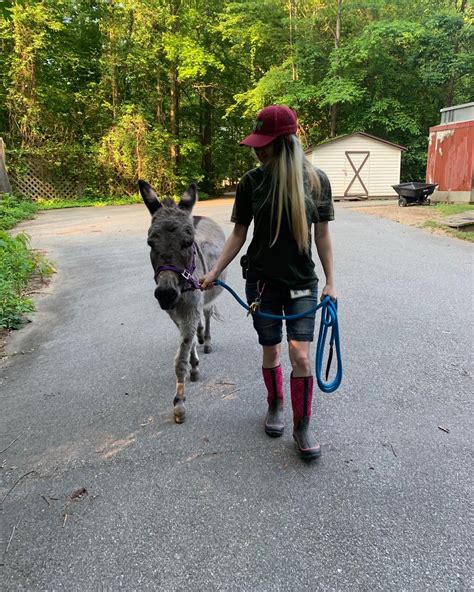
414,193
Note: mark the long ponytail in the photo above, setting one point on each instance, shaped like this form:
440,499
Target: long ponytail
289,167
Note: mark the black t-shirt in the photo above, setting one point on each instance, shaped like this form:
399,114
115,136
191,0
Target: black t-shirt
281,263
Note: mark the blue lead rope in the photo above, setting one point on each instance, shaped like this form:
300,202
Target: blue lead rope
328,320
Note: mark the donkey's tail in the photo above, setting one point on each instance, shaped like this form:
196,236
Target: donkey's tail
215,314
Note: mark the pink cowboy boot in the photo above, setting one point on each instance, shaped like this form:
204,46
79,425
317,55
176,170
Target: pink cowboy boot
274,421
301,397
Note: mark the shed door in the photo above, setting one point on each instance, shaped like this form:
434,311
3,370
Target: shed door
357,166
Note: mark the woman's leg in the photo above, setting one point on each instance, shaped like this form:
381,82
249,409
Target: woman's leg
301,386
299,357
273,378
271,355
269,336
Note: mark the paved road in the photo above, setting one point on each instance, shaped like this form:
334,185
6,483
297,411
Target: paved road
213,504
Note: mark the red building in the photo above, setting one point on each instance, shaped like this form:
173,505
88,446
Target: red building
451,155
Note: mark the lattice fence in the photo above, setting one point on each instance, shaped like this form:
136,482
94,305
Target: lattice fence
37,183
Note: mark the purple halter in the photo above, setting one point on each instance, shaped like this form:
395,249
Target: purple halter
186,273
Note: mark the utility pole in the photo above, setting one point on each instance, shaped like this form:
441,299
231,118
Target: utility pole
5,186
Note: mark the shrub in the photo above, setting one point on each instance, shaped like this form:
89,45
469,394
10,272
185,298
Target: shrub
14,209
17,265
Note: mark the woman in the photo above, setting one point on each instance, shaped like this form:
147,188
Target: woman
283,197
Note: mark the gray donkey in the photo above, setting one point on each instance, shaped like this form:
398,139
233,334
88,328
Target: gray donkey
183,249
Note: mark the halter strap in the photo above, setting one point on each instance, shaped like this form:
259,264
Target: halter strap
186,273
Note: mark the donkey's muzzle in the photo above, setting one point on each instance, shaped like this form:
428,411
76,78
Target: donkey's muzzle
167,297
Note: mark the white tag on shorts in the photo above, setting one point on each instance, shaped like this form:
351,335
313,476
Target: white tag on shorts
299,293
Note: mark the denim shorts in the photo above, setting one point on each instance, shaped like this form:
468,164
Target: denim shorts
278,301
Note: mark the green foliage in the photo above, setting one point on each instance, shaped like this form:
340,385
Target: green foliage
17,264
14,209
103,93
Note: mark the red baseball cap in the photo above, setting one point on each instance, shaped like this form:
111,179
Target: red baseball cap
271,122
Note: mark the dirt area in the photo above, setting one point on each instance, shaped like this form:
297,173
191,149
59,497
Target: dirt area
410,215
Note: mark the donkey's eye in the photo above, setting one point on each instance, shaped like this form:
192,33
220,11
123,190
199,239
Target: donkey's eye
186,244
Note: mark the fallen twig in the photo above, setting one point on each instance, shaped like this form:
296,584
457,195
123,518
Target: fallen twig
14,485
46,500
14,529
11,443
393,450
443,429
228,394
10,539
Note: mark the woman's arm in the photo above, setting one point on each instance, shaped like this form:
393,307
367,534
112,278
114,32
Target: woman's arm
232,246
322,239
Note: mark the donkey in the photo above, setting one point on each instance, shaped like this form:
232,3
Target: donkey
183,248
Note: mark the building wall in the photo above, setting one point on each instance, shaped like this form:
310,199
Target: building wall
379,174
457,113
451,161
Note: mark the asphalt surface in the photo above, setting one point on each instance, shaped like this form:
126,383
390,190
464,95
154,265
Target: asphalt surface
213,504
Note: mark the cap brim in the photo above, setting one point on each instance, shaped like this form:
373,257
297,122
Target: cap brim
257,140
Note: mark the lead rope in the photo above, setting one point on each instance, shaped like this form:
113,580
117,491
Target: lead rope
328,320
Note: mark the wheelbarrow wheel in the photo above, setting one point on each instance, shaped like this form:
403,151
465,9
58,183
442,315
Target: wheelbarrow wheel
402,202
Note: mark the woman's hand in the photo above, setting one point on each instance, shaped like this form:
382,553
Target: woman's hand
329,290
207,282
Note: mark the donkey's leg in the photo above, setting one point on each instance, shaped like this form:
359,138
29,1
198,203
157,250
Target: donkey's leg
188,332
200,333
194,361
207,330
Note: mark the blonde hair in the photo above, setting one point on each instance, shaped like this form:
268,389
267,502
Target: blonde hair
289,168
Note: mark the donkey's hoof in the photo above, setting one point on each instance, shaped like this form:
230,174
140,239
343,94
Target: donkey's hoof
194,375
207,349
200,340
179,412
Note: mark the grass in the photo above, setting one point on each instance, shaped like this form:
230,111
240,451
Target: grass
57,204
445,209
18,263
97,202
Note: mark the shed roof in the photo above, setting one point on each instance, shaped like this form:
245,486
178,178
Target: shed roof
363,134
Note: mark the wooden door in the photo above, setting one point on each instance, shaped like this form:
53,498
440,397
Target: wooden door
357,165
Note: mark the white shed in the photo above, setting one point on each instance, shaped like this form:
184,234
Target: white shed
359,165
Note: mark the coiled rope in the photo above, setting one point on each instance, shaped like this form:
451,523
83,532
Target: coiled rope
328,320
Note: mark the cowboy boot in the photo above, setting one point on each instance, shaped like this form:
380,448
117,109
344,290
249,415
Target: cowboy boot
274,421
301,397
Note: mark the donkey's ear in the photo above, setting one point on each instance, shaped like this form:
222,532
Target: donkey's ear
190,197
149,196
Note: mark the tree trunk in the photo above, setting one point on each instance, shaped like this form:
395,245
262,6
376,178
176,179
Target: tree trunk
206,140
174,93
337,41
291,11
159,99
174,116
